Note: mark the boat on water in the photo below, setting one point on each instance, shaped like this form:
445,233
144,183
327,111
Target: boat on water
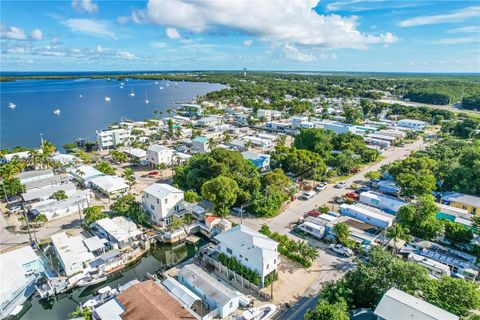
132,94
156,82
161,88
104,294
80,95
121,87
146,99
168,84
12,105
107,99
121,83
264,312
91,279
56,112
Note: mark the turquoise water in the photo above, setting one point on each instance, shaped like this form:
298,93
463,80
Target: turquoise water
80,116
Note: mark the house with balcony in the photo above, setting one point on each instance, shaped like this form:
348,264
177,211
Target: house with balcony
162,201
157,154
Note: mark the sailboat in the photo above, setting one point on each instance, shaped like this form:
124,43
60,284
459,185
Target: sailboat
12,105
56,112
146,99
132,94
107,99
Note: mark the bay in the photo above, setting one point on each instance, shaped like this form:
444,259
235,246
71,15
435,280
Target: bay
82,105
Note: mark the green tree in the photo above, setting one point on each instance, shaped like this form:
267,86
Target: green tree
352,114
211,143
222,191
59,195
326,311
226,138
34,158
129,207
85,157
414,175
92,214
11,187
457,233
119,157
48,148
420,218
176,223
129,175
83,313
342,232
398,232
373,175
40,219
105,167
192,197
457,296
8,171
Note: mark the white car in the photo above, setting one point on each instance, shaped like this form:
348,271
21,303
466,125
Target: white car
307,195
320,187
344,251
341,185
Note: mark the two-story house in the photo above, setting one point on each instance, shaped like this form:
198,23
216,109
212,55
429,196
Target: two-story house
157,154
162,201
251,248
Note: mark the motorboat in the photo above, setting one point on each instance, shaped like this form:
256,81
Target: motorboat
146,99
56,112
12,105
264,312
121,87
156,82
161,88
107,99
132,94
104,294
91,279
80,95
121,83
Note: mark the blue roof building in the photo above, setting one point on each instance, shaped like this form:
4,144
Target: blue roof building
260,160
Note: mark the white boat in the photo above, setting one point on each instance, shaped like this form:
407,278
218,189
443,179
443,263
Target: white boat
161,88
156,82
264,312
104,294
132,94
90,280
121,87
80,95
56,112
121,83
12,105
146,99
168,84
107,99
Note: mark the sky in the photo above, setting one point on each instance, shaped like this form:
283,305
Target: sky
291,35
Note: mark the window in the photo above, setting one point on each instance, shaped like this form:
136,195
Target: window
230,304
241,256
152,207
246,259
166,200
268,266
275,261
229,251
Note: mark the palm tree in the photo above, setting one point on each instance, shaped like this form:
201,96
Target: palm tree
226,138
40,219
48,148
398,232
211,143
34,157
178,132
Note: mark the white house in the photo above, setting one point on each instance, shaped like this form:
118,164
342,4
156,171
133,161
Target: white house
260,160
251,248
85,173
53,209
162,201
157,154
200,145
367,214
258,142
119,230
396,304
268,114
65,159
412,124
71,252
30,176
112,187
387,204
210,121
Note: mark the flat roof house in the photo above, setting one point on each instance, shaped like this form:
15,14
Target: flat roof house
84,174
157,154
118,230
112,187
367,214
251,248
397,305
462,201
29,176
200,145
213,293
412,124
18,273
387,204
72,253
161,201
53,209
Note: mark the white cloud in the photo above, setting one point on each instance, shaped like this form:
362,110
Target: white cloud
293,53
92,27
247,43
466,29
36,34
126,55
173,33
123,20
159,45
12,33
293,22
455,16
85,5
456,40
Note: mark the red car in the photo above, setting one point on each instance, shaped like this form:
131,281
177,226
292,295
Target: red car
352,195
314,213
153,173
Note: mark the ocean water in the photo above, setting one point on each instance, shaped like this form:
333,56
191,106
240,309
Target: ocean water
82,106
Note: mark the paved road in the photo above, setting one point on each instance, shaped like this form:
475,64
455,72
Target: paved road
298,208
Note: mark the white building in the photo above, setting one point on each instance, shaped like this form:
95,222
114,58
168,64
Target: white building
119,231
66,159
19,270
396,304
135,154
162,201
111,138
35,175
210,121
268,114
258,142
412,124
19,155
44,193
54,209
112,187
157,154
200,145
387,204
85,173
367,214
71,252
251,248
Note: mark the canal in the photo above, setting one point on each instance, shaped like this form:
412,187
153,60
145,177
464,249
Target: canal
61,306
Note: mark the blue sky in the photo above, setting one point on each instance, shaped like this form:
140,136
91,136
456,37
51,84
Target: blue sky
349,35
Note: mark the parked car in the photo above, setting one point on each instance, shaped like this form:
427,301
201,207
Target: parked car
344,251
15,209
314,213
341,185
320,187
352,195
339,200
307,195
